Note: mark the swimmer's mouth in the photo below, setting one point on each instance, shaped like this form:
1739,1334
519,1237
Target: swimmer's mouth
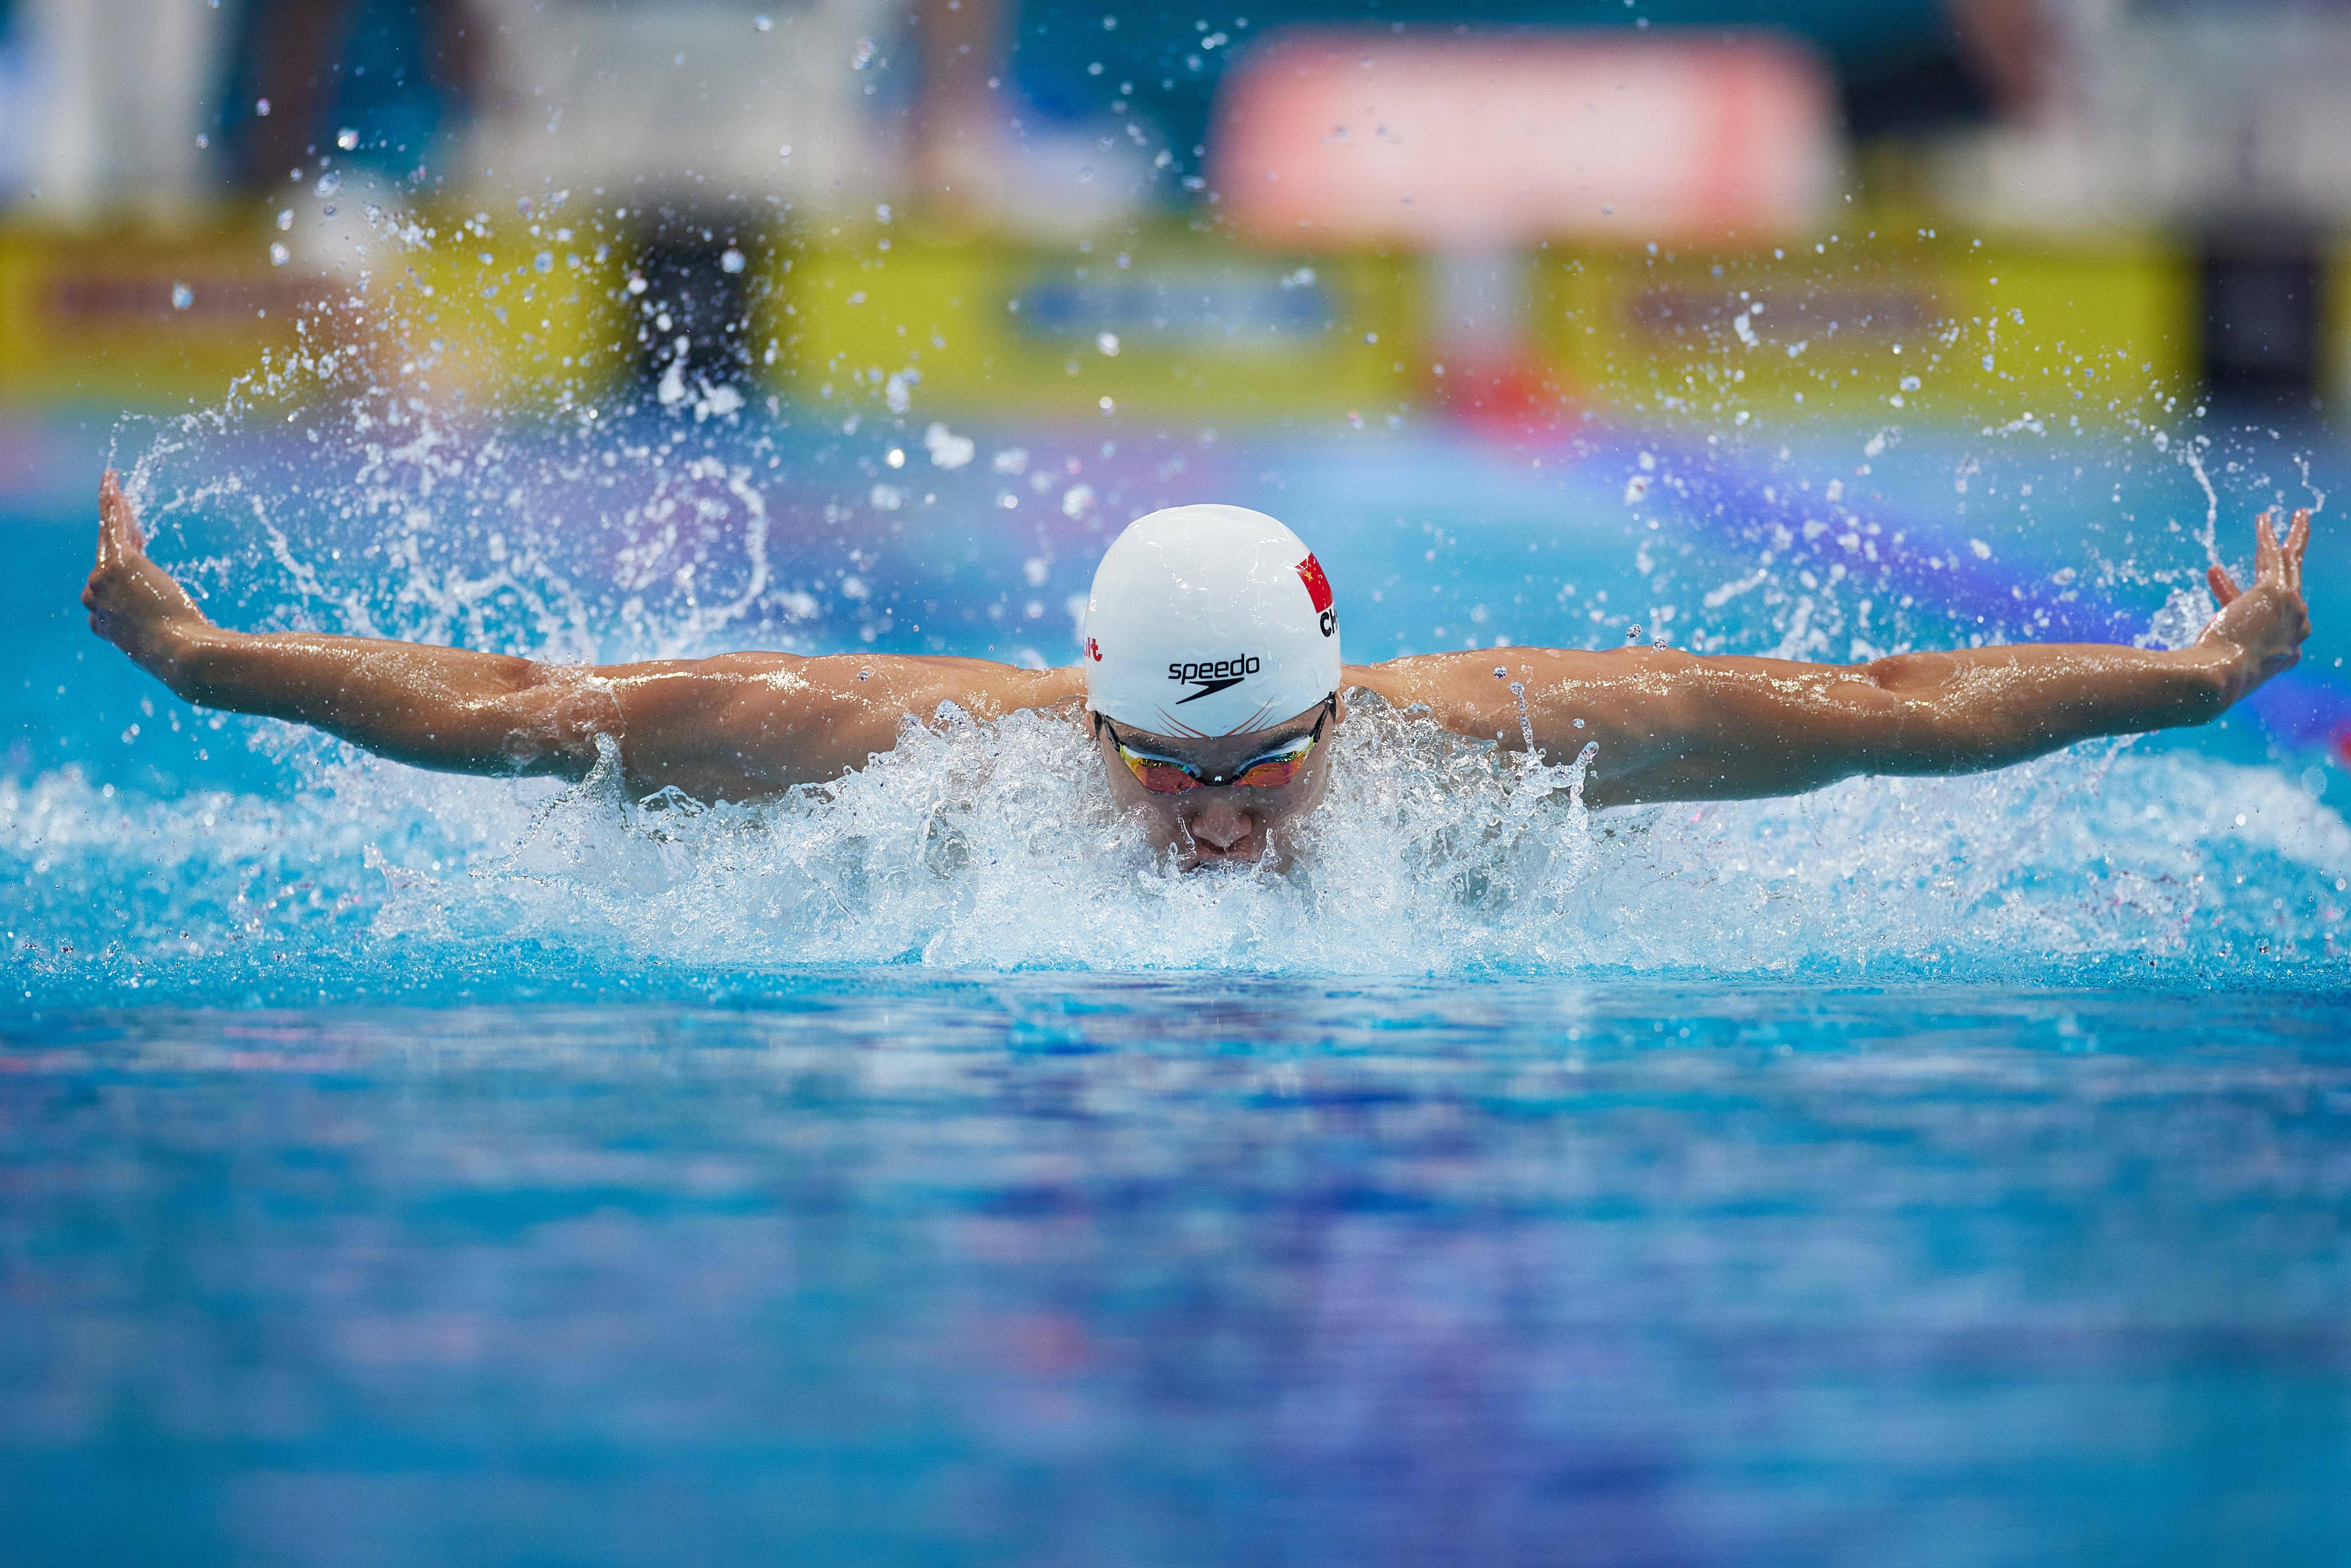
1198,856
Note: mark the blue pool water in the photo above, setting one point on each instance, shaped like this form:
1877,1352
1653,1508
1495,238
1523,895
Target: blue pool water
857,1266
400,1169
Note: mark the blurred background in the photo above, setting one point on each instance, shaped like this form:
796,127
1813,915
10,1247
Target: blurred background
1507,214
1813,328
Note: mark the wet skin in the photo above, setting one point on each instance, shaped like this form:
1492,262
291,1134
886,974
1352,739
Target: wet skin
1667,725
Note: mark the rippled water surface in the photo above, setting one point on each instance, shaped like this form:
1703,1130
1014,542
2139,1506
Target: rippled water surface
405,1169
889,1268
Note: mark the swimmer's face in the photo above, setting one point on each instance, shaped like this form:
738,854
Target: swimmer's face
1213,823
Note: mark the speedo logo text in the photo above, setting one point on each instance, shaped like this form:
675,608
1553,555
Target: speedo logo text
1213,675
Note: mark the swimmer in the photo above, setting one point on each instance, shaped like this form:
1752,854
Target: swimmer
1210,682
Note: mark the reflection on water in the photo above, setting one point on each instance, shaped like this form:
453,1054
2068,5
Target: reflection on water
1051,1269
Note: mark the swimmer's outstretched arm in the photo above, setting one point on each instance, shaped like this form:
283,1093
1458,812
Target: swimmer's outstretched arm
737,727
1674,727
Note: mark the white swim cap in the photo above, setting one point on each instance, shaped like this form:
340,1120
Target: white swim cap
1208,620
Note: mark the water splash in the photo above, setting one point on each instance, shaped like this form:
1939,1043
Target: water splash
996,846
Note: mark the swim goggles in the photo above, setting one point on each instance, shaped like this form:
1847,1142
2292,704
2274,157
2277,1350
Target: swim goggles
1169,776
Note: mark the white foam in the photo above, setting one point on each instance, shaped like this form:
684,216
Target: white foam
998,846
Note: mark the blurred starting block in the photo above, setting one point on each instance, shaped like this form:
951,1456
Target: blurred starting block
138,319
1157,323
1164,322
1855,326
1872,327
523,312
157,318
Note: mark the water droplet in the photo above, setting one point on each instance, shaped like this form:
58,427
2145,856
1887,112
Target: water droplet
1632,633
347,139
1107,342
863,56
261,105
731,260
182,297
285,217
762,22
279,255
544,261
785,152
330,183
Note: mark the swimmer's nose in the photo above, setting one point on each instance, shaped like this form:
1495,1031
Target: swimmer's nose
1222,826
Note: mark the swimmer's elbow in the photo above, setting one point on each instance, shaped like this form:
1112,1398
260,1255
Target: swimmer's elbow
550,722
1905,716
1909,675
525,720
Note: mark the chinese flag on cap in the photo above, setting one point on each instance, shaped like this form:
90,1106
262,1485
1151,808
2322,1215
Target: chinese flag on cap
1318,586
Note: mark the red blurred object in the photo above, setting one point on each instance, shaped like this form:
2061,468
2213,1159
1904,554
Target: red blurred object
1504,397
1453,144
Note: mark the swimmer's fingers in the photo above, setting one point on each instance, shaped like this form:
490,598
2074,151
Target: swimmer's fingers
2297,540
119,539
2265,549
2224,587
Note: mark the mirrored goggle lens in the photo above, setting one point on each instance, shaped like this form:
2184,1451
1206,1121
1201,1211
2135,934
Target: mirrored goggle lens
1159,778
1273,772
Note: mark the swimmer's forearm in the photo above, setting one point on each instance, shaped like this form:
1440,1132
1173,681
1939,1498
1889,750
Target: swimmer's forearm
1989,708
446,709
1740,728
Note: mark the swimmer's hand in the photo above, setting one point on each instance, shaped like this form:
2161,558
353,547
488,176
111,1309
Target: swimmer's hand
2262,626
132,602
